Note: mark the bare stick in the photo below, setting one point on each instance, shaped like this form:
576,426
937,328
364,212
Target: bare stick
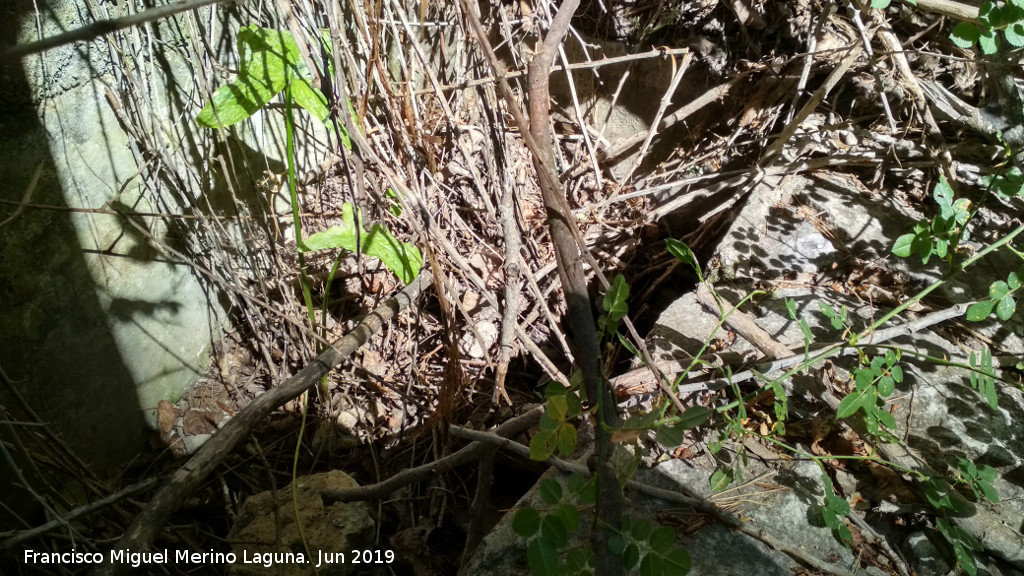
465,456
77,513
103,27
185,481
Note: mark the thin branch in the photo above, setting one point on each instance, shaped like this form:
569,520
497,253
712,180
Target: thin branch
464,456
102,28
78,513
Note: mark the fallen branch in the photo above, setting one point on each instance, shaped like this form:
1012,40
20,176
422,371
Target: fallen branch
103,27
188,478
466,455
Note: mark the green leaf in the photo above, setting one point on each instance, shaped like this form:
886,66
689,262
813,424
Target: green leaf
838,505
670,436
652,565
897,374
695,416
550,491
904,245
989,492
234,102
615,298
627,344
791,308
542,445
830,518
998,289
980,310
402,258
662,540
720,480
863,377
557,408
987,473
1006,307
989,42
542,557
552,529
989,14
1013,280
310,98
880,4
526,522
683,253
964,558
569,516
943,195
677,562
642,530
843,532
566,439
965,35
989,392
886,386
630,556
848,406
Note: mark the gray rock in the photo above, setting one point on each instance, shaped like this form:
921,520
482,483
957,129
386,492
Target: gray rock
326,531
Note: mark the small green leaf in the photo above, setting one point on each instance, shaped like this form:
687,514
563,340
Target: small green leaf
642,530
1006,307
630,556
987,473
552,529
965,559
566,440
616,544
849,405
569,516
695,416
670,436
402,258
1013,280
980,310
880,4
904,245
989,42
838,505
897,374
989,492
542,557
863,378
615,298
550,491
310,98
662,540
720,480
843,532
998,289
989,14
943,195
886,386
557,408
830,518
677,562
542,445
651,565
964,35
526,522
683,253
